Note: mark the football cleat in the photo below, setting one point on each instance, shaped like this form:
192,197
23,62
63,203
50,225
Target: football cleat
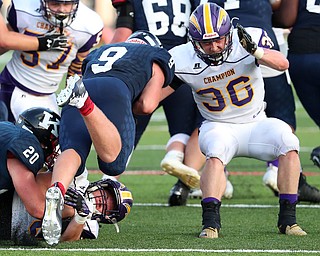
75,94
306,192
186,174
52,220
228,193
270,179
293,230
195,193
178,194
315,156
209,233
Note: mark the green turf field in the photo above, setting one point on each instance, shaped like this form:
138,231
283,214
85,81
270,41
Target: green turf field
248,220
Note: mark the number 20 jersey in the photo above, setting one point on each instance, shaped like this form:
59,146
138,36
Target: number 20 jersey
24,146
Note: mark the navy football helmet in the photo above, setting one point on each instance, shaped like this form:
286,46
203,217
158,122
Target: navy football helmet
98,193
210,22
144,37
59,19
44,124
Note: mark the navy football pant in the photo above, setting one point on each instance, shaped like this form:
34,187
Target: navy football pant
113,97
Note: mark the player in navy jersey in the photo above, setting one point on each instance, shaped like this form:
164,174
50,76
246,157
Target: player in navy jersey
121,79
27,147
169,22
304,54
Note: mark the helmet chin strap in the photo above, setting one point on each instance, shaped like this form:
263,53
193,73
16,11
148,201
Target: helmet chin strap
61,27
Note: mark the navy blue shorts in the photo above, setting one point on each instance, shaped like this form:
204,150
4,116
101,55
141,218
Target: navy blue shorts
113,97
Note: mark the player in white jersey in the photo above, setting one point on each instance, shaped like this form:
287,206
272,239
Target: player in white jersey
221,65
30,79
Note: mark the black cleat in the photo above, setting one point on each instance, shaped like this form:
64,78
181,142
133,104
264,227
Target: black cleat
315,156
178,194
306,192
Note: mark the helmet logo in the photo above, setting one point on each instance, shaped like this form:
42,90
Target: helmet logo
222,18
46,123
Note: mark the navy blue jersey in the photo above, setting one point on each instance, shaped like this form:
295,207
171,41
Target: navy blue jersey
168,20
308,16
129,62
0,3
23,145
251,13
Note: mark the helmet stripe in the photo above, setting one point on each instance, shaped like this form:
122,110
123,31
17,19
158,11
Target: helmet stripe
222,18
207,19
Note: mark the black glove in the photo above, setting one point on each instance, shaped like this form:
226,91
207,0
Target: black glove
53,41
246,40
74,199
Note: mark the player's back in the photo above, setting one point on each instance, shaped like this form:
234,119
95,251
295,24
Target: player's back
130,62
168,20
21,144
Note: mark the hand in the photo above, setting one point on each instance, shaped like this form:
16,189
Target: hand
74,199
248,44
53,41
246,40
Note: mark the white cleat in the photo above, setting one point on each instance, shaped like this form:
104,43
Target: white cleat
52,220
75,94
270,178
187,175
228,193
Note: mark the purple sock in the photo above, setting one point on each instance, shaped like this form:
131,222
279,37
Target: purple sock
274,163
210,199
291,197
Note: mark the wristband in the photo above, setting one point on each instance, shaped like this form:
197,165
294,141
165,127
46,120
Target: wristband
87,107
80,220
42,44
258,54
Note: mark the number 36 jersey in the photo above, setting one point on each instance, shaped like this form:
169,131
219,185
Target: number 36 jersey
24,146
232,92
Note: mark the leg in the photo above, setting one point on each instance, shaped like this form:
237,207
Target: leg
213,185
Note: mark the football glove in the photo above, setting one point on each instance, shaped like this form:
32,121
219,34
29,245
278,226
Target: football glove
74,199
53,41
248,44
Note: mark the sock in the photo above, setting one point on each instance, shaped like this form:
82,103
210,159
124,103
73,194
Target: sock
292,198
274,163
210,199
60,186
87,107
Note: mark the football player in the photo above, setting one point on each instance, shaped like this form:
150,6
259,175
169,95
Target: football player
28,146
121,79
276,86
103,201
10,40
30,79
229,91
169,22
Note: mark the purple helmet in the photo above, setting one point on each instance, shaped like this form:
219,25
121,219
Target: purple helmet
98,193
210,22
